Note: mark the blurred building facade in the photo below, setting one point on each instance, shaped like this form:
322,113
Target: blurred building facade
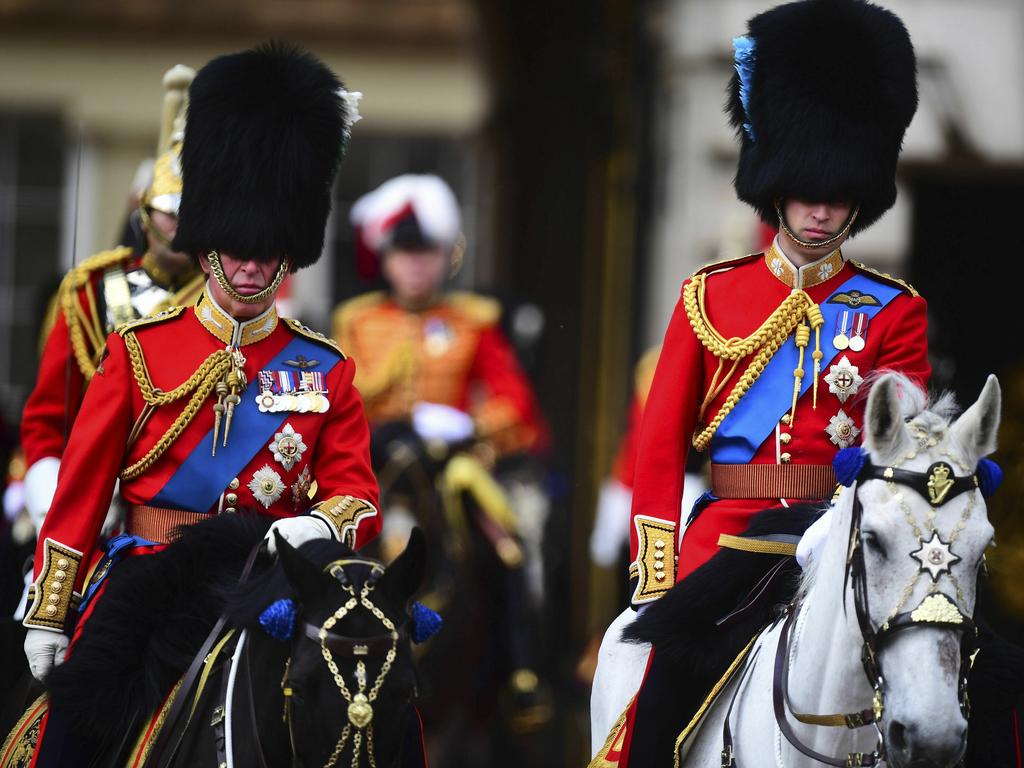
80,104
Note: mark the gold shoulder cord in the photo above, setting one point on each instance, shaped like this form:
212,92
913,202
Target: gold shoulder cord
798,313
200,384
82,323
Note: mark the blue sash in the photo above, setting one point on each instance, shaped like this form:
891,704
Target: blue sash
757,413
201,478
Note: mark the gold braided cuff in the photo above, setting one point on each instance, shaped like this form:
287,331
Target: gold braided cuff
343,514
655,564
53,594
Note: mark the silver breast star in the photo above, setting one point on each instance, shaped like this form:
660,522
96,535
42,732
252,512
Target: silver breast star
935,556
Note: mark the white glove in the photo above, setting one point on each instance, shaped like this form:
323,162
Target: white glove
813,539
433,421
611,524
297,531
44,650
40,485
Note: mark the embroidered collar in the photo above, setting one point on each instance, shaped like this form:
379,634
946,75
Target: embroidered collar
228,329
806,276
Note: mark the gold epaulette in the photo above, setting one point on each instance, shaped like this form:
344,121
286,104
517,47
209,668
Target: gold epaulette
727,263
481,310
296,327
347,312
160,317
886,277
79,274
86,329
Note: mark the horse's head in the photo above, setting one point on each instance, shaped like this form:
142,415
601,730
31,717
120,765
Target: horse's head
350,680
919,532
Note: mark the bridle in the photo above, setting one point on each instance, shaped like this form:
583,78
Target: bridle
938,485
359,727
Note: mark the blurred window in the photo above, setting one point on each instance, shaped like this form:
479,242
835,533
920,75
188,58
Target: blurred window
32,171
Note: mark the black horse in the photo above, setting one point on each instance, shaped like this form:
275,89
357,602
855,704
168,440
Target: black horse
313,665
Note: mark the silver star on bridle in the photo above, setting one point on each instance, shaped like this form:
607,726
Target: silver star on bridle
935,556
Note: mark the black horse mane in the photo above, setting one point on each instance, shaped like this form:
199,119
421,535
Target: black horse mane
682,623
153,616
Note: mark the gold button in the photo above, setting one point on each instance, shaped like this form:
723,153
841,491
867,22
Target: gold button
56,586
659,544
54,599
659,566
660,575
785,437
230,510
786,458
63,563
233,485
231,499
659,555
60,575
785,419
51,610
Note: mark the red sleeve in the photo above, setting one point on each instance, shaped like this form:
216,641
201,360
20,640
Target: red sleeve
904,347
92,460
55,399
509,404
341,458
667,428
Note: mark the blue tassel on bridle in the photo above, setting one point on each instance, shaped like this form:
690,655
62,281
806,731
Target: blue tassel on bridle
425,622
278,620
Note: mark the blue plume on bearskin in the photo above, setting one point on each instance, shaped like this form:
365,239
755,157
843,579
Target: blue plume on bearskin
278,620
848,463
425,623
990,476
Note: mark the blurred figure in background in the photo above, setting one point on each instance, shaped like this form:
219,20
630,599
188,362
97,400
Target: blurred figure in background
105,291
455,435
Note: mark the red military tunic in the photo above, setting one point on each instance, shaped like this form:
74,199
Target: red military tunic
103,291
738,297
288,461
452,353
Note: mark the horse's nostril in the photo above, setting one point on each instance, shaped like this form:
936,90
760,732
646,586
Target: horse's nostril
897,736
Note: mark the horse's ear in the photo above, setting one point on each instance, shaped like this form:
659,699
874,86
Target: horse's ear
978,426
886,435
308,581
404,577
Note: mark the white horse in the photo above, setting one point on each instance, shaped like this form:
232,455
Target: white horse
897,573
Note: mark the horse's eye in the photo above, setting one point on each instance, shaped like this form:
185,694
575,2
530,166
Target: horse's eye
872,542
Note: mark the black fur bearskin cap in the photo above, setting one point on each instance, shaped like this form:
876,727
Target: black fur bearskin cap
830,87
263,141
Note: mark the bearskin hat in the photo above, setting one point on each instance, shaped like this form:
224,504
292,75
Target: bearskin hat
263,140
821,96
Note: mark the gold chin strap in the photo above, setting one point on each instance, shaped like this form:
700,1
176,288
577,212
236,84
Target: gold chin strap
256,298
813,243
152,229
797,313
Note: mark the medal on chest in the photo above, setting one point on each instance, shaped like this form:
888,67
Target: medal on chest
438,337
295,391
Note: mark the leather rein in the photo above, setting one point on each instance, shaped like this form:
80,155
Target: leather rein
937,610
